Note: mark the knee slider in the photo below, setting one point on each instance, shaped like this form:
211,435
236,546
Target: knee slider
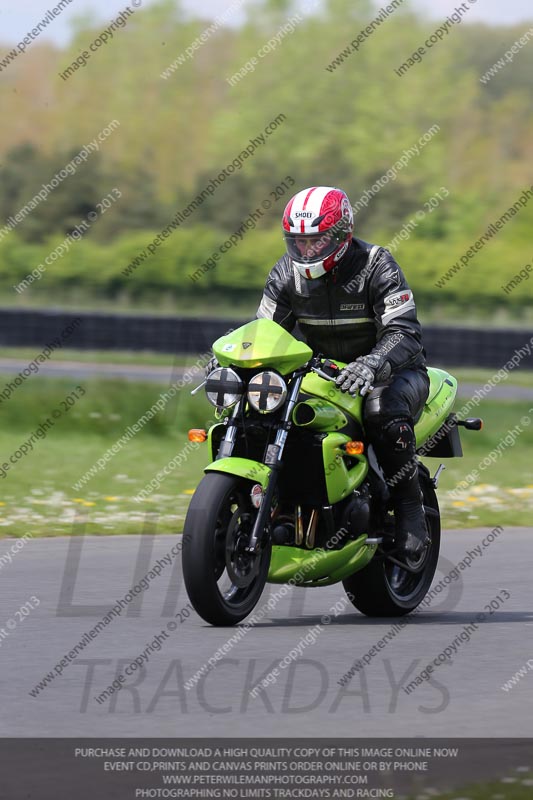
398,434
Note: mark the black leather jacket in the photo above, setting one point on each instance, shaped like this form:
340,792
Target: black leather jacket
364,306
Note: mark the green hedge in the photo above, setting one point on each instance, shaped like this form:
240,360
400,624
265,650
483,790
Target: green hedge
90,271
106,408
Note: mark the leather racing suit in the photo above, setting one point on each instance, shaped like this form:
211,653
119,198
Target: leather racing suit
364,306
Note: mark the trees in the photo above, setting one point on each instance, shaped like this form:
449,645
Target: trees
179,127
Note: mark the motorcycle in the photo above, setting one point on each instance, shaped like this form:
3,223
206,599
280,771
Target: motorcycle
293,492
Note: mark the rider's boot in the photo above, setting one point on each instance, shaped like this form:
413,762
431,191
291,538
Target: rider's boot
396,452
411,534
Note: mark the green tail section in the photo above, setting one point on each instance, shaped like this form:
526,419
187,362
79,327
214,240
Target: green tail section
442,391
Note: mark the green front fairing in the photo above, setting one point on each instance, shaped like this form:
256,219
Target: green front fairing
327,416
341,481
262,343
242,468
318,567
316,386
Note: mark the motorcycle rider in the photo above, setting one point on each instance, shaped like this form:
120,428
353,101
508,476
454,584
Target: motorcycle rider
352,303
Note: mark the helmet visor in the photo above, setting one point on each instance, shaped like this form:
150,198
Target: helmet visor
313,247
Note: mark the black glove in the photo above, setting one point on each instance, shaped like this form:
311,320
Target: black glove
210,366
359,376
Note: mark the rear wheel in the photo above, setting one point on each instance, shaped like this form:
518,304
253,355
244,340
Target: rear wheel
223,581
384,589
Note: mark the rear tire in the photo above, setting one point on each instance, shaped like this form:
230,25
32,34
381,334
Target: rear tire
223,582
383,589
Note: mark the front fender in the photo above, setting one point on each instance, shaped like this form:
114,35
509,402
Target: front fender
242,468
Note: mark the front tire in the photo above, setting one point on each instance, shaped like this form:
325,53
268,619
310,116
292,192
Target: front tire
223,582
382,588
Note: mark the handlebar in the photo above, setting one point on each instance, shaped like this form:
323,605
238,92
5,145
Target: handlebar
325,368
324,375
329,370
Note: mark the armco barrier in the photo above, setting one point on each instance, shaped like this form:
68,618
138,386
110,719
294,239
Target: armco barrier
446,346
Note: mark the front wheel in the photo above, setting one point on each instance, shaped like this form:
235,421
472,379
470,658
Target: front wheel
223,581
383,589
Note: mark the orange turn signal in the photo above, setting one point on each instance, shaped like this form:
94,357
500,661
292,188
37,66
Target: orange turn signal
354,448
197,435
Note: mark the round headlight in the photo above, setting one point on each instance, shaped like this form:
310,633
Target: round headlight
267,391
223,387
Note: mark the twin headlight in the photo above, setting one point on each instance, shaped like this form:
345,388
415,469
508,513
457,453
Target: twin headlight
267,391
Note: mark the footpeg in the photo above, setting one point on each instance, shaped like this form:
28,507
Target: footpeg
435,478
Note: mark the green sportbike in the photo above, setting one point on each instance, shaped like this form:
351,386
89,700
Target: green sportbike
294,493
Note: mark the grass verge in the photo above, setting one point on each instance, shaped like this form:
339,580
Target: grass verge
37,495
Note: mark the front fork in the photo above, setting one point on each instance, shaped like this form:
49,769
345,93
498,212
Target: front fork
273,459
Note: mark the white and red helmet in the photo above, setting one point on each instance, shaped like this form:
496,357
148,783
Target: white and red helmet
318,227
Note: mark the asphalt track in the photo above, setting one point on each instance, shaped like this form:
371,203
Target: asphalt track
77,581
